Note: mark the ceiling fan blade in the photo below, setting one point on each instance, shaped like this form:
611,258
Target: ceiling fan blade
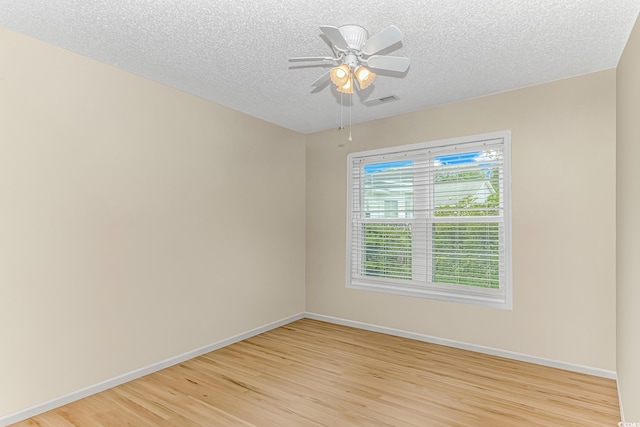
322,80
312,58
389,63
335,37
385,38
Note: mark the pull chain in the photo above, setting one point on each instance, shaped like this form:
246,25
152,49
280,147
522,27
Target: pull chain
350,107
341,123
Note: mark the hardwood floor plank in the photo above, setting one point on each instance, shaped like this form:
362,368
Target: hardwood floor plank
311,373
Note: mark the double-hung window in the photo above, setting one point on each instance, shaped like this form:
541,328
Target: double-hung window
432,220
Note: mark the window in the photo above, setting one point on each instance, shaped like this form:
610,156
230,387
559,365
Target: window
432,220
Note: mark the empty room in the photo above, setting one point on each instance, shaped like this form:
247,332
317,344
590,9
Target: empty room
286,213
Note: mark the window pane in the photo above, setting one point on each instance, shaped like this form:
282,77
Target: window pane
467,184
387,250
466,254
388,189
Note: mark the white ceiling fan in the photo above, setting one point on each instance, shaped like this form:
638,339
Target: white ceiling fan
355,54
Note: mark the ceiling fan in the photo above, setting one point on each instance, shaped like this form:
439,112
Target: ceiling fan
355,54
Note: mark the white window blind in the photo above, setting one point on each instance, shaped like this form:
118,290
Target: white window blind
432,220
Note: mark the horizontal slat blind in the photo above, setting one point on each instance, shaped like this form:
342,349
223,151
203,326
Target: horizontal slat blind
430,217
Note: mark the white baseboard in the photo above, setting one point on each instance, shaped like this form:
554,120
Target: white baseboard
466,346
121,379
130,376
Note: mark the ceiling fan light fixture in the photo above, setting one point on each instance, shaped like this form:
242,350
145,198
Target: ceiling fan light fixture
352,47
364,76
340,74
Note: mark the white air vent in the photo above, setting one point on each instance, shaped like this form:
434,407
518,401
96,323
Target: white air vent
388,98
383,100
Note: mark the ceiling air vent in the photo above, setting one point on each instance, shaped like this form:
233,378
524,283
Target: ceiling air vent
388,98
380,101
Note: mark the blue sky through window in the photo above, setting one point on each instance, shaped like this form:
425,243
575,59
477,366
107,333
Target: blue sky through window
446,159
379,167
459,158
462,158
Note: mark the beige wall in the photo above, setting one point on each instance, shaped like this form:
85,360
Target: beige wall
137,222
628,238
563,189
128,233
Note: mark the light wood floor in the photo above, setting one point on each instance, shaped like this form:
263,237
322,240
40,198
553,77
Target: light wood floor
311,373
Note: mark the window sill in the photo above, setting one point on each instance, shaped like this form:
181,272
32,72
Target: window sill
435,294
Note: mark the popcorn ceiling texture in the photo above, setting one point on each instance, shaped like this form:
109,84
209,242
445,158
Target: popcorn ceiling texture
236,52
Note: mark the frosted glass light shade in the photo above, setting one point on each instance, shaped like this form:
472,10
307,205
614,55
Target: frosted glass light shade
340,74
364,76
347,87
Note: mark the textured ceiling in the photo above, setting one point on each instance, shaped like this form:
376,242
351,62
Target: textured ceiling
236,52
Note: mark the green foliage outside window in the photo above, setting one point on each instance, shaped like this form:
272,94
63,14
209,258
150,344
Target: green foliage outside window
463,253
388,250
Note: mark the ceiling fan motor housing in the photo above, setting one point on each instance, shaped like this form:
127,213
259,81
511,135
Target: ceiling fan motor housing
354,35
351,60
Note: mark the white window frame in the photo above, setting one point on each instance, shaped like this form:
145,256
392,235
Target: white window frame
501,298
